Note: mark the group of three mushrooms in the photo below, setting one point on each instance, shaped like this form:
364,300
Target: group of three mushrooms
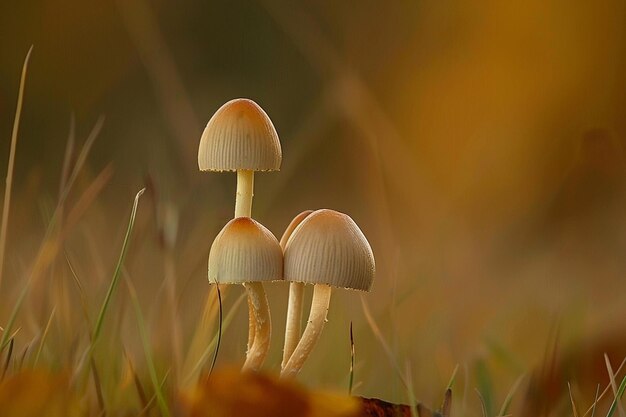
323,247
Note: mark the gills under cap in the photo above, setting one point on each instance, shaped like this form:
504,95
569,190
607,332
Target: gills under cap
239,136
328,247
245,251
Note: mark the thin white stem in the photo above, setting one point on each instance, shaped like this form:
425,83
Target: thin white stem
312,332
245,192
293,325
294,320
263,332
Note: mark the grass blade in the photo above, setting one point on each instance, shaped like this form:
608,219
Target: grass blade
8,359
571,399
138,386
509,397
16,309
609,369
606,389
618,397
383,342
44,335
229,317
446,407
483,406
112,286
410,392
9,177
219,330
98,387
485,385
158,389
352,354
118,269
453,377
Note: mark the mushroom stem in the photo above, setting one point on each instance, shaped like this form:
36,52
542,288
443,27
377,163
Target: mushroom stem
251,323
245,191
294,320
243,208
260,346
312,332
293,327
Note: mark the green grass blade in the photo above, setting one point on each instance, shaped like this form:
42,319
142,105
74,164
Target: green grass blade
483,406
8,359
158,389
112,286
453,377
116,274
485,385
44,336
618,397
509,397
16,309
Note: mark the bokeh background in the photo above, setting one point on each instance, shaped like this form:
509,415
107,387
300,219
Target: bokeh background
479,145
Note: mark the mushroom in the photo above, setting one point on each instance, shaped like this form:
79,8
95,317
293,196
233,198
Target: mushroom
245,252
326,249
241,137
296,292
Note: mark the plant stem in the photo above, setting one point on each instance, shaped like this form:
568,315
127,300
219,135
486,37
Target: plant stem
260,346
293,326
312,332
245,192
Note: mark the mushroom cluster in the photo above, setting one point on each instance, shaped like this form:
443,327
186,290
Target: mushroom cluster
324,247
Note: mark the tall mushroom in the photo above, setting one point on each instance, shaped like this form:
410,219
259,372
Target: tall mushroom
241,137
326,249
296,292
245,252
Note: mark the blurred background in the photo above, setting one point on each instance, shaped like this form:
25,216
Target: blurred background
479,146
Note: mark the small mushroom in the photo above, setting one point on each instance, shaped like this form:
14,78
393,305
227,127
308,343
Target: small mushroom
296,293
245,252
241,137
326,249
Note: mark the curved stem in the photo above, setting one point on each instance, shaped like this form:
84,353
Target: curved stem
294,320
312,332
263,331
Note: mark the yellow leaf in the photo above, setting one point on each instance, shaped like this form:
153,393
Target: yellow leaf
230,393
37,394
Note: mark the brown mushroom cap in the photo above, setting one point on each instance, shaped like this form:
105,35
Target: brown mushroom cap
328,247
239,136
245,251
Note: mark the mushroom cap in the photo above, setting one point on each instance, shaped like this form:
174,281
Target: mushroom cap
328,247
239,136
292,226
245,251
